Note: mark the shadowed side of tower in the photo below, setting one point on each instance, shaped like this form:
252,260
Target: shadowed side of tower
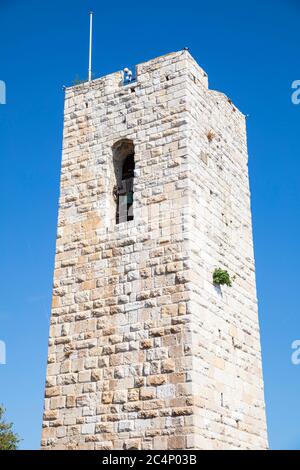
144,351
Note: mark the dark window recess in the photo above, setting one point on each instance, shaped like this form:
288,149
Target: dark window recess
125,192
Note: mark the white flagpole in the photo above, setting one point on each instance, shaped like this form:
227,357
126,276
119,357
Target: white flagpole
90,48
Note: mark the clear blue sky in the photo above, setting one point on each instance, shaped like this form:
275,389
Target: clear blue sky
250,51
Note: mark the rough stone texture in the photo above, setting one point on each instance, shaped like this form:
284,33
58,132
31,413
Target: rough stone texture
144,351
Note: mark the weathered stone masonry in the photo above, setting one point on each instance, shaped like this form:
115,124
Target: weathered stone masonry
144,351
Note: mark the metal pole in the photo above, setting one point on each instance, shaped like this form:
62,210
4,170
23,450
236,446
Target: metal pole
90,48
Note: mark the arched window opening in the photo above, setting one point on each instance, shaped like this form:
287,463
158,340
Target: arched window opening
124,172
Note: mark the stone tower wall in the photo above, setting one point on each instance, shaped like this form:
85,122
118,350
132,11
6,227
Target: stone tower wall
144,352
227,373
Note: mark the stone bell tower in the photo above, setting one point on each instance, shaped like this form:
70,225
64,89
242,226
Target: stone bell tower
145,352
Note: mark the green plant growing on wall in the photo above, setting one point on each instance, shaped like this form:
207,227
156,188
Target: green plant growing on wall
78,81
221,277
